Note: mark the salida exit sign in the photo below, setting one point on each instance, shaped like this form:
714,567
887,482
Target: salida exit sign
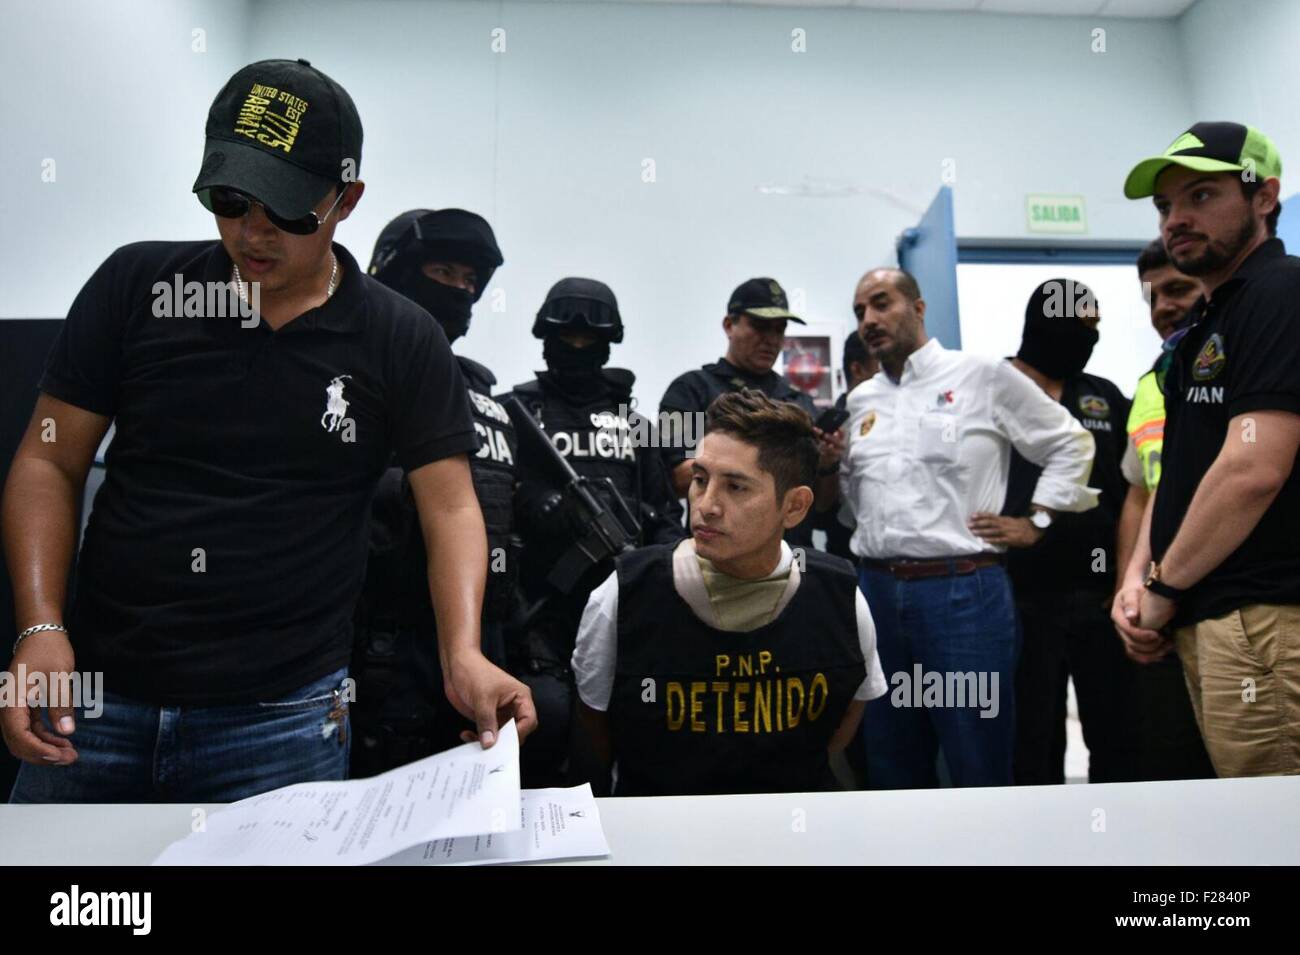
1056,214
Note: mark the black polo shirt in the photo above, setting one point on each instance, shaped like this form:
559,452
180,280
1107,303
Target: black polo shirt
1078,550
1240,353
226,548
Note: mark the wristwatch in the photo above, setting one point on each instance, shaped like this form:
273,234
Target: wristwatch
1158,586
1041,519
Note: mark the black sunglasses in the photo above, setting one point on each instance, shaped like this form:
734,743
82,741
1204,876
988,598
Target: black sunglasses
233,204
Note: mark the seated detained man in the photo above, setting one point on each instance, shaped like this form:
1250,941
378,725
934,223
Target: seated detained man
729,662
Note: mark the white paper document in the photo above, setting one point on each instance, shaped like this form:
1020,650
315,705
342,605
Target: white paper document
463,792
557,824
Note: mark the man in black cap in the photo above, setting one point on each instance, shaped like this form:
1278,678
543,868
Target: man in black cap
585,409
442,261
1217,563
260,385
1062,568
757,315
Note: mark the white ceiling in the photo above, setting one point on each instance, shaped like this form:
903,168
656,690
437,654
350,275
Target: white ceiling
1146,9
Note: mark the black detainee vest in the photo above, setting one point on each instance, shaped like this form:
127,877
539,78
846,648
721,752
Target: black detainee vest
730,712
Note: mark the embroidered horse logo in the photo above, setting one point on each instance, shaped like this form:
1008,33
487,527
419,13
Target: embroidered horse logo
336,408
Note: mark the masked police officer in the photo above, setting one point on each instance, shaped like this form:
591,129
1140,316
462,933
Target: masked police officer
585,409
441,260
1063,567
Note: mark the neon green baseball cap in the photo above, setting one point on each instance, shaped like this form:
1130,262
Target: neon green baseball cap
1209,147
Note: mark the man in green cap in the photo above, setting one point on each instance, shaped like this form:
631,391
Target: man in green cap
1217,564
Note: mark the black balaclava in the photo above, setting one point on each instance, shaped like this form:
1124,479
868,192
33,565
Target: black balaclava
450,306
1055,340
569,361
424,235
587,307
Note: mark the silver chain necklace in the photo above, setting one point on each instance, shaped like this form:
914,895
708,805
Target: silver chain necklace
329,289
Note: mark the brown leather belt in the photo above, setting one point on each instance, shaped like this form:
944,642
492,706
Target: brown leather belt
907,569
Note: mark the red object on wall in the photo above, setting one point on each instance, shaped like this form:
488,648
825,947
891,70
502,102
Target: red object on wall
805,372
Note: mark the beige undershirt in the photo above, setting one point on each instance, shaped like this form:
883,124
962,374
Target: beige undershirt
730,603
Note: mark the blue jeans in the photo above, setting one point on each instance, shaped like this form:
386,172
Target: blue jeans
962,629
139,752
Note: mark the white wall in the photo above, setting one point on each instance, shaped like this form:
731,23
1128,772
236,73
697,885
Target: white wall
993,299
717,99
1240,62
548,138
116,95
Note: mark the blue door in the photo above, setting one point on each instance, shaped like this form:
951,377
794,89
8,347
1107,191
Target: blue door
929,252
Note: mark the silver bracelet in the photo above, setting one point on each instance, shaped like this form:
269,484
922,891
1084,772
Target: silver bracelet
39,628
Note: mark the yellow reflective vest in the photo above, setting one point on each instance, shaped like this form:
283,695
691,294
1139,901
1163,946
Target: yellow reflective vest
1146,427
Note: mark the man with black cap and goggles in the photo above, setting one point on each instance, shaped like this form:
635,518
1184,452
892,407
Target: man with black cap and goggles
1216,566
585,409
755,324
222,562
442,260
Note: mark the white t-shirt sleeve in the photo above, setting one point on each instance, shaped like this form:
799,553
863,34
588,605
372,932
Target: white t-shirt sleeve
874,685
596,646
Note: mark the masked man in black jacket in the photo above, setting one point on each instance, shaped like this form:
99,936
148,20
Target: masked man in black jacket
1062,567
442,260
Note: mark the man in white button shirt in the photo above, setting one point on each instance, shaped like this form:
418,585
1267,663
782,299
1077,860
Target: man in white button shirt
730,663
925,475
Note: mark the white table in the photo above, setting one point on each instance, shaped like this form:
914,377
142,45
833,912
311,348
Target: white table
1200,822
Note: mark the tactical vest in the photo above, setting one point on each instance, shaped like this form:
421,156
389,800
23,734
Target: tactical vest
493,469
1146,426
697,710
397,586
594,437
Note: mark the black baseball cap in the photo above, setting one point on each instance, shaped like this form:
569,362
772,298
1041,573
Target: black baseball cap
284,133
761,298
1209,147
